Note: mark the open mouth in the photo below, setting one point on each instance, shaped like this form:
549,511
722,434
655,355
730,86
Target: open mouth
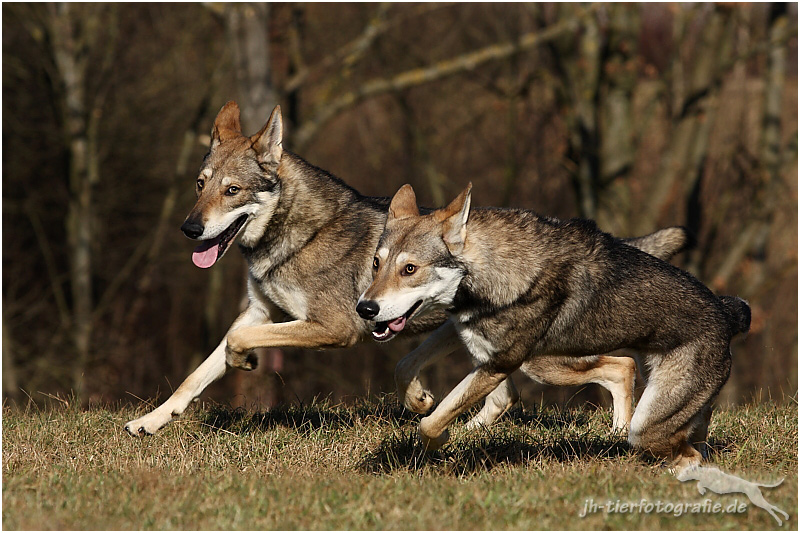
210,251
386,330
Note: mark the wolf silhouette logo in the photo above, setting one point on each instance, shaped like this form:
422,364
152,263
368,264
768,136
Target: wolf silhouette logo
713,479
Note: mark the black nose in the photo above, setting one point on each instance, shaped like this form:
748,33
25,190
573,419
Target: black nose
192,229
368,309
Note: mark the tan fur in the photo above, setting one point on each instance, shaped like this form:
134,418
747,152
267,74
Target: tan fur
304,282
519,286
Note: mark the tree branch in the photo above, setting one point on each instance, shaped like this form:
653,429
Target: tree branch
353,51
438,71
50,263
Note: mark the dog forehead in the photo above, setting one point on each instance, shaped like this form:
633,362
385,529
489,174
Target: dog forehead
412,240
230,157
229,174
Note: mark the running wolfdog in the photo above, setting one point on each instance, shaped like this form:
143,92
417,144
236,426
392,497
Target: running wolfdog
309,239
519,286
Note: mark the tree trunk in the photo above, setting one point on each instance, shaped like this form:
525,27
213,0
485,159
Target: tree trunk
584,132
616,127
10,383
71,65
681,164
419,163
770,150
247,26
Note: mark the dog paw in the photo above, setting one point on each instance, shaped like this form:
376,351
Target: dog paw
148,424
477,421
432,444
238,358
619,429
418,399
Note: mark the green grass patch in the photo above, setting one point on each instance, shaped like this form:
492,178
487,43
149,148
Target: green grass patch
326,466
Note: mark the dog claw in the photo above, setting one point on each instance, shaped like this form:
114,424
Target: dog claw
139,432
619,431
149,424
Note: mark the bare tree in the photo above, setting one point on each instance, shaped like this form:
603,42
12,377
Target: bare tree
637,115
76,35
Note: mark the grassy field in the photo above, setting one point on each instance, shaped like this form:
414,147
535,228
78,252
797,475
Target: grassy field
335,467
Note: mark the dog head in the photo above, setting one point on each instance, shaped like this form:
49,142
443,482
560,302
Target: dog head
416,267
238,187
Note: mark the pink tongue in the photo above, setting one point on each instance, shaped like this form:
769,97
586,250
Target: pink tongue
206,254
397,324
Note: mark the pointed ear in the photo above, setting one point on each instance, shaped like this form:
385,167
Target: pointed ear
226,125
454,220
404,203
267,142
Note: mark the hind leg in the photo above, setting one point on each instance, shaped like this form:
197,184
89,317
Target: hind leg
651,430
497,402
675,405
616,374
699,433
758,500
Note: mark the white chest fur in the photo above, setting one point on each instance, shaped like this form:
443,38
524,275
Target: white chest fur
289,298
479,346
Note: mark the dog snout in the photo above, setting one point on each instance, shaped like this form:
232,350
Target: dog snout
368,309
192,229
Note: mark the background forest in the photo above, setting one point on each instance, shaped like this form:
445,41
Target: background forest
639,116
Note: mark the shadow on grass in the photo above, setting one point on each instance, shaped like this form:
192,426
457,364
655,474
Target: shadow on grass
532,436
521,444
403,453
306,418
535,417
319,415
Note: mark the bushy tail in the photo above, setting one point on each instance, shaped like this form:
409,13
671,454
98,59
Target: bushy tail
664,243
738,313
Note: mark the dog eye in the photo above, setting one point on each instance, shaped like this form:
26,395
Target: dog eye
375,263
200,184
233,189
409,269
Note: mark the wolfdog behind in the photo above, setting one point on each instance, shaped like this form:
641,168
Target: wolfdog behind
519,286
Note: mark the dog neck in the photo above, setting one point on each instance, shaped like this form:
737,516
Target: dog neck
310,199
492,264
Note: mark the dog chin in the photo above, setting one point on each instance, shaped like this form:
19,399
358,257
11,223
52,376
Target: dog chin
387,330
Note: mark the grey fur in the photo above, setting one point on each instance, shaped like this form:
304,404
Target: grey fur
309,242
532,286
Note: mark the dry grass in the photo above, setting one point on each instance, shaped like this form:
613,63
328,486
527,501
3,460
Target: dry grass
335,467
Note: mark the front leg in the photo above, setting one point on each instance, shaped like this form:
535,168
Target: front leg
294,334
478,383
410,391
209,371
